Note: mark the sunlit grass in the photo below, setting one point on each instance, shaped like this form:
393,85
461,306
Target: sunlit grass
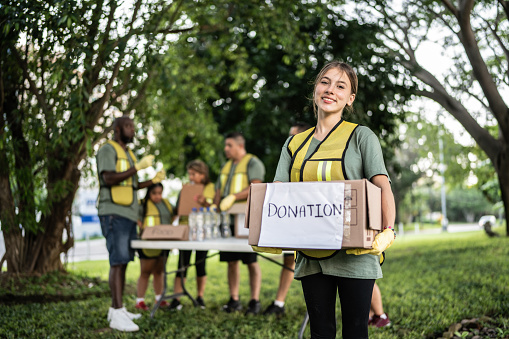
430,282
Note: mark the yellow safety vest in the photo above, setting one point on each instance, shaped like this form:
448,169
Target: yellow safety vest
325,164
123,193
152,218
240,179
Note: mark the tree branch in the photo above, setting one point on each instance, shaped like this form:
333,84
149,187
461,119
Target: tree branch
41,100
505,6
480,70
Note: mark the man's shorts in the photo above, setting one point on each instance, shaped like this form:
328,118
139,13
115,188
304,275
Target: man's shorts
247,258
119,232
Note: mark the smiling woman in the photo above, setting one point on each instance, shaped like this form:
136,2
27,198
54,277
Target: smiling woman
351,152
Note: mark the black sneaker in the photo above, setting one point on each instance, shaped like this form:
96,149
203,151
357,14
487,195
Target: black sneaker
200,302
254,307
232,306
274,309
175,305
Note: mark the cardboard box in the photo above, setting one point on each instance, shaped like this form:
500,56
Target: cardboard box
238,210
166,232
362,214
187,199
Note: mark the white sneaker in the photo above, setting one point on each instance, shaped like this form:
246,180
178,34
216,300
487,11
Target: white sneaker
120,321
132,316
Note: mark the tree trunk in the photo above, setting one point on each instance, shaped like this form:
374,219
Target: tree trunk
502,167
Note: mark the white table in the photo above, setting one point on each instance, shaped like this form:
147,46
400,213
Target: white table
220,244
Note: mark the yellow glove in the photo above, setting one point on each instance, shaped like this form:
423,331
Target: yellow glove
160,176
145,162
382,242
271,250
227,202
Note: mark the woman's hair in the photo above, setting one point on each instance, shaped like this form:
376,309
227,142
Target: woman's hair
200,167
147,196
345,68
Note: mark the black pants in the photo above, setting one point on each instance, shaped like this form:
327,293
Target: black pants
185,259
355,298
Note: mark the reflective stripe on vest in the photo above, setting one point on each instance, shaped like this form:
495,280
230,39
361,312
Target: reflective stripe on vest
325,164
153,218
239,180
123,193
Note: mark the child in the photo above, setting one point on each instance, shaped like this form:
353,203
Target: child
154,210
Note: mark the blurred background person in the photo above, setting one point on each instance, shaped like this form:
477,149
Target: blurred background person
241,170
198,173
154,210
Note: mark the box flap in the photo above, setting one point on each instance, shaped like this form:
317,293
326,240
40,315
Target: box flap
374,202
187,198
255,210
248,202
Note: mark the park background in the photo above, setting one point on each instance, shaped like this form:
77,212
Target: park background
432,83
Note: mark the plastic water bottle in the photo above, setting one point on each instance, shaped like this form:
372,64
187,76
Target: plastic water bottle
192,224
208,223
225,225
200,234
216,224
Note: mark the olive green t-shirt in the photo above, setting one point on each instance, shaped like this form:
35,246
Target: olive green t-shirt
255,171
106,159
363,159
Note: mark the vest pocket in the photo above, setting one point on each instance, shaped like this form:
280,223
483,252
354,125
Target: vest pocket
122,195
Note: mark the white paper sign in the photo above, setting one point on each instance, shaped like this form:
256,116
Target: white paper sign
303,215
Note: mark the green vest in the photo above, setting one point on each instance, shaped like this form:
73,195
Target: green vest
325,164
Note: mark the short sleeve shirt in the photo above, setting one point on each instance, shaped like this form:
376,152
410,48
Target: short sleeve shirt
255,171
363,159
106,159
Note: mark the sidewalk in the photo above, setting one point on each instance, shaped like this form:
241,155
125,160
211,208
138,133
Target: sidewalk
87,250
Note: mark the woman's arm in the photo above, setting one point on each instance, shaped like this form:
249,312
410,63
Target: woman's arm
388,204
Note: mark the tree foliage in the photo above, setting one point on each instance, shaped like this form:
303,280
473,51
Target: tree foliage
263,60
186,71
67,68
473,36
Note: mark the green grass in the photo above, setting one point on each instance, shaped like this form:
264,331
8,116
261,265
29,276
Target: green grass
430,282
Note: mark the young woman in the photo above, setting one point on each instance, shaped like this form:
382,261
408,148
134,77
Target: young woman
352,152
154,210
198,173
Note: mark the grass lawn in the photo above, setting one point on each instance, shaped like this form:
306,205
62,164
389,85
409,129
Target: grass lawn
430,282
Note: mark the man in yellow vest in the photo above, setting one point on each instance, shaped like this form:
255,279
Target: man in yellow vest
237,174
118,212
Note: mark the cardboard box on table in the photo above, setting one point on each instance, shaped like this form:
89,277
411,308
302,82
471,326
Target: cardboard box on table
238,210
362,215
166,232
